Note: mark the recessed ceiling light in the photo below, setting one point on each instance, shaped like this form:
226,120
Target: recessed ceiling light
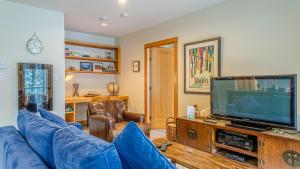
124,14
122,2
104,19
104,24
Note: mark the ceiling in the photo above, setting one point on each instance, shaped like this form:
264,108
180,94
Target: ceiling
83,15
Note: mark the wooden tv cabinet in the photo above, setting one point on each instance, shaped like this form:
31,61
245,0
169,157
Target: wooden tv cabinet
274,150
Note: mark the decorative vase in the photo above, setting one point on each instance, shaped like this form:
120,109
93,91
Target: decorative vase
76,87
113,88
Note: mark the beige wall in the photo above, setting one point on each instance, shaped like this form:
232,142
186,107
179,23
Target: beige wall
260,37
18,24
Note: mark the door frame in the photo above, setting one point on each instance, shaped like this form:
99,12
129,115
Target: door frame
147,46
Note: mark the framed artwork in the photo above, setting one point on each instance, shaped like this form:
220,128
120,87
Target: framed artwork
201,62
136,66
98,67
86,66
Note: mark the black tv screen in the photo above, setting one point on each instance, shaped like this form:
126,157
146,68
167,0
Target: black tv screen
267,100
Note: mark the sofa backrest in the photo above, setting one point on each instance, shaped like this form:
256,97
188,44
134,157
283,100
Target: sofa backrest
39,134
74,149
15,153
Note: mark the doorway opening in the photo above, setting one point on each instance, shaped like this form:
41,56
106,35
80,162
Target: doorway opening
161,81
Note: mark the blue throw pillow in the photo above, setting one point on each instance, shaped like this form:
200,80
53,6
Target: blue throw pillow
74,149
53,118
39,134
22,119
136,151
15,153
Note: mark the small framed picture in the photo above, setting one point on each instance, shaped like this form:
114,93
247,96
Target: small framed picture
86,66
136,66
98,67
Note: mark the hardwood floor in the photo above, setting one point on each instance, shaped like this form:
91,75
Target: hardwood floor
157,133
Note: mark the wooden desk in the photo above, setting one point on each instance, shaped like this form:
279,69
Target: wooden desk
196,159
71,116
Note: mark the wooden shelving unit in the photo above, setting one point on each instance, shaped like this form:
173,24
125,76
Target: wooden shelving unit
89,72
115,61
235,149
89,59
252,162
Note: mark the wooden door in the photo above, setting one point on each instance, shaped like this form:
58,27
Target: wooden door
194,134
271,153
162,86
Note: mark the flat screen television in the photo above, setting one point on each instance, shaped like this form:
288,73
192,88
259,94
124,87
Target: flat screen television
258,100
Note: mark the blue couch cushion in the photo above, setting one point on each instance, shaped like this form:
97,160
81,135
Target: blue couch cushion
76,124
136,151
39,134
74,149
53,118
57,119
22,119
15,153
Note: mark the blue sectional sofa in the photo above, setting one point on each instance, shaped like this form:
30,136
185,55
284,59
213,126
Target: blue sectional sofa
46,141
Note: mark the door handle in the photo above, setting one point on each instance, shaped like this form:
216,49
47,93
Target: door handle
292,158
192,134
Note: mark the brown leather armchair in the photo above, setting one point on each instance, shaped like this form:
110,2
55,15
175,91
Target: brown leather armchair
107,119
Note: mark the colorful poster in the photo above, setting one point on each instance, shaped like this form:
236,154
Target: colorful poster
201,63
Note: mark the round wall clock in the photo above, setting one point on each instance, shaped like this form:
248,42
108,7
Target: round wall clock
34,45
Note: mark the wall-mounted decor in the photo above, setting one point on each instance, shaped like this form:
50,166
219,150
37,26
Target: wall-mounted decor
86,66
98,67
136,66
201,62
34,45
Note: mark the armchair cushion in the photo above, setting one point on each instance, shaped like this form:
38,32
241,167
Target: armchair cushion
53,118
74,149
129,116
114,109
139,152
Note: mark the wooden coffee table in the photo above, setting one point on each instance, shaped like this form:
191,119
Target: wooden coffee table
196,159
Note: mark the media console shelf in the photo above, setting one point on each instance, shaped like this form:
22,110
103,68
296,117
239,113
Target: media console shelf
271,150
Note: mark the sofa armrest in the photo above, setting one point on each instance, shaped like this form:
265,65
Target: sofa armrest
101,126
129,116
75,124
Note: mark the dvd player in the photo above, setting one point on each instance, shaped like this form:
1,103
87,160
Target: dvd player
238,140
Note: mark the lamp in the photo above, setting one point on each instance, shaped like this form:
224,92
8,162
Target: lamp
69,77
113,88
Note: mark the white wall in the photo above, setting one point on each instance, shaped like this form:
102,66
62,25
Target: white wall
259,38
18,24
88,82
85,37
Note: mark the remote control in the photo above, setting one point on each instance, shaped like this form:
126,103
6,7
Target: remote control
164,146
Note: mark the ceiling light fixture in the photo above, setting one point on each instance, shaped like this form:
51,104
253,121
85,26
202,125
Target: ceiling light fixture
122,2
104,21
104,24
